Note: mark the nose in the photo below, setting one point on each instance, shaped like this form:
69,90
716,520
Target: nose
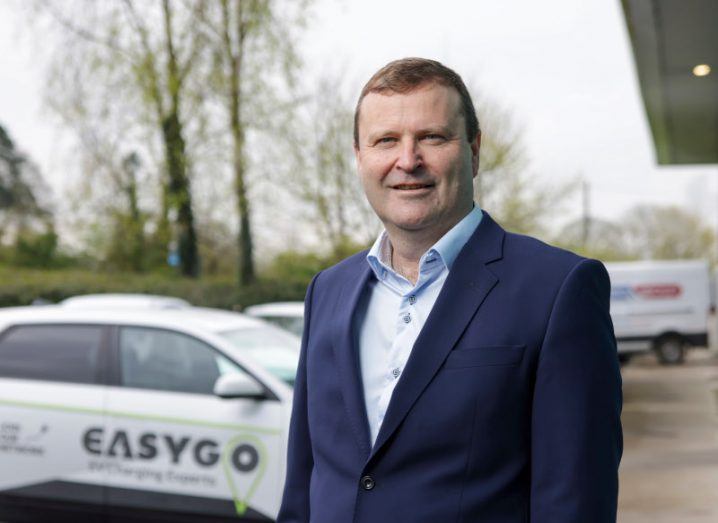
409,156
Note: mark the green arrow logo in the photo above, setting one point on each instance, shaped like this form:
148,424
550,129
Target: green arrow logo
244,455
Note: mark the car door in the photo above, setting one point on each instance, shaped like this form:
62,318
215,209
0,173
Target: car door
51,391
172,447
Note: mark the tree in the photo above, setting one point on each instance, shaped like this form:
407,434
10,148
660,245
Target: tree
252,43
657,232
116,51
24,196
504,185
204,75
605,241
644,232
26,219
325,178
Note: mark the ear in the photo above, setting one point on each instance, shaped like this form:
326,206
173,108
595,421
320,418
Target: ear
356,154
475,148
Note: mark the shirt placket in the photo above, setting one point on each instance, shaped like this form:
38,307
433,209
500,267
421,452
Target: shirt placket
407,330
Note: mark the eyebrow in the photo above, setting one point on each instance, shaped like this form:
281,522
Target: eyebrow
437,129
443,129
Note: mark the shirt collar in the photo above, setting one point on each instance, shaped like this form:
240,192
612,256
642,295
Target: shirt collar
447,248
453,241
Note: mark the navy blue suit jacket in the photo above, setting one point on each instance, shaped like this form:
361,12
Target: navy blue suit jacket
508,409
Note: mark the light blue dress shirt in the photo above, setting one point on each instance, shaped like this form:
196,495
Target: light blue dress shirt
395,310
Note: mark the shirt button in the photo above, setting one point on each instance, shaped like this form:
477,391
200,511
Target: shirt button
367,482
396,372
412,299
407,318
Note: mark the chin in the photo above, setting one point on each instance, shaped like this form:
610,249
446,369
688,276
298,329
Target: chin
411,222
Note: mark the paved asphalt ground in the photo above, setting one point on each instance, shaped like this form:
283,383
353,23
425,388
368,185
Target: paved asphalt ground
669,471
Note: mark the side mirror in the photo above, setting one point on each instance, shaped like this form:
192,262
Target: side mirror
238,386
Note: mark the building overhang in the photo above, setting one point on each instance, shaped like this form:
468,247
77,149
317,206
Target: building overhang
669,39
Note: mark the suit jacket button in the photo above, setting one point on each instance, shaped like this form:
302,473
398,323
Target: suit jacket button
367,482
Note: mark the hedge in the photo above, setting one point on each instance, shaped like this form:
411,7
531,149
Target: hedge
20,286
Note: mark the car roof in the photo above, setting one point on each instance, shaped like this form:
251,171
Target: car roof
124,301
280,308
213,320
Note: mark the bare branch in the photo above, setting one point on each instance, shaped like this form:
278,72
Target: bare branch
149,59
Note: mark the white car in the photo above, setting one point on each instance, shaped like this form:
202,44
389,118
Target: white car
142,415
287,314
123,301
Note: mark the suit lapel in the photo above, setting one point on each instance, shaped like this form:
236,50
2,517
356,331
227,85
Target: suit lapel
346,353
466,287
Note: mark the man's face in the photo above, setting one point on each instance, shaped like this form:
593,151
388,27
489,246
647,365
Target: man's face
414,160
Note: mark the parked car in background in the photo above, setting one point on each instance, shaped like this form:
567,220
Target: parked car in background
124,301
287,314
662,306
122,415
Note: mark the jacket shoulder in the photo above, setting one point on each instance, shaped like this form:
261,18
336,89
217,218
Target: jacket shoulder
540,262
539,253
353,265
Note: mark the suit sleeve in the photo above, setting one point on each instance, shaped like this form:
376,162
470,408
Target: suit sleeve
295,500
576,437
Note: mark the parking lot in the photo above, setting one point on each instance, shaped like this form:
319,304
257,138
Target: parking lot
669,471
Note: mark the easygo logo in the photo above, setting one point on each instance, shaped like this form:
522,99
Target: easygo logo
244,457
241,458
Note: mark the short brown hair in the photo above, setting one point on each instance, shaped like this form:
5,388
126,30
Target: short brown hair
405,75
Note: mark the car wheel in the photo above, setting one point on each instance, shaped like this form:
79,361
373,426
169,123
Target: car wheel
623,358
670,350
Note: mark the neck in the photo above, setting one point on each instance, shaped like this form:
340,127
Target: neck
408,246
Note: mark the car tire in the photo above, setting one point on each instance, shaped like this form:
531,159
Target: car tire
670,350
623,358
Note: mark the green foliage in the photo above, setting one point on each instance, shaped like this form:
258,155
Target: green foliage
36,250
595,238
667,232
644,232
295,266
20,182
298,268
23,286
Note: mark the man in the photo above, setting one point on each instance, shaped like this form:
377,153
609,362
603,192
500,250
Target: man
455,372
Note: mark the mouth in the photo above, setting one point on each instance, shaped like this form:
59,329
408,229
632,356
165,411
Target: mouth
412,186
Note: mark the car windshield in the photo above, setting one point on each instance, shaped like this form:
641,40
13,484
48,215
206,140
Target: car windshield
293,324
274,349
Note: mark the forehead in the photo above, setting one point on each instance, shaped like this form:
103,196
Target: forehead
429,105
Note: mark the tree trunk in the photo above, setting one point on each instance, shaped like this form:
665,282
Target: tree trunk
176,154
234,54
179,194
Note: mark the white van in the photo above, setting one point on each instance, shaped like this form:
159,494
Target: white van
147,415
662,306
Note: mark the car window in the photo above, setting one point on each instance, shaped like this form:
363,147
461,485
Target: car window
165,360
68,353
272,348
293,324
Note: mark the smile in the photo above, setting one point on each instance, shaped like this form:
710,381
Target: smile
412,186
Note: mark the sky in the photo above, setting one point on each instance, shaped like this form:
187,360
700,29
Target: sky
563,68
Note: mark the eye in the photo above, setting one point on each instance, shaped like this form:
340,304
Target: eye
385,141
435,138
